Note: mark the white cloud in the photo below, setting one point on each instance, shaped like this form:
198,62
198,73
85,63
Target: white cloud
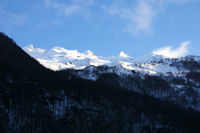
182,50
143,17
67,9
139,18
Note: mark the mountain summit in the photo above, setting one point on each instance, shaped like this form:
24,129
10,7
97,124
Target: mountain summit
123,55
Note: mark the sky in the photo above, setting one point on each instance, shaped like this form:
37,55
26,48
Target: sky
106,27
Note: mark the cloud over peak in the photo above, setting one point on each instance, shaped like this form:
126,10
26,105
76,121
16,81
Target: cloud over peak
167,51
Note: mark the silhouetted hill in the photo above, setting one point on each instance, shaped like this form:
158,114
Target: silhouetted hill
18,65
14,60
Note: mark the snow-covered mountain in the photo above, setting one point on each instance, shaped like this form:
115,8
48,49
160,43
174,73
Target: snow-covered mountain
172,79
59,58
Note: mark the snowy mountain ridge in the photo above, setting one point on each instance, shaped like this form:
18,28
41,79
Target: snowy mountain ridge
59,58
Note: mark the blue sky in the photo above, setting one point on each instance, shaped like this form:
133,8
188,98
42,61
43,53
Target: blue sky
105,27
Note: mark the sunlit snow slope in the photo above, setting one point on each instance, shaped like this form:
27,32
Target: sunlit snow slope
59,58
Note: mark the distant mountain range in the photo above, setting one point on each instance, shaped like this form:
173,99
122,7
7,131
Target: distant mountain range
86,93
59,58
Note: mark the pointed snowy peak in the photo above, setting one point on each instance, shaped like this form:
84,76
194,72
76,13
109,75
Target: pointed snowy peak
29,48
90,54
123,55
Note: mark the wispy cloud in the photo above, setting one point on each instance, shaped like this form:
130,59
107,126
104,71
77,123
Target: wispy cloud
139,18
142,18
167,51
12,18
67,9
